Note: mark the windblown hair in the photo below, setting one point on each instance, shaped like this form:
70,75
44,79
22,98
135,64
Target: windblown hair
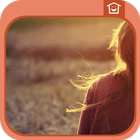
122,44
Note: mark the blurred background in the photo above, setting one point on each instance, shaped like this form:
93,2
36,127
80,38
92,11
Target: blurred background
42,54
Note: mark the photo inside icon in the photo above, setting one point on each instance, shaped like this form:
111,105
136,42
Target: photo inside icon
48,59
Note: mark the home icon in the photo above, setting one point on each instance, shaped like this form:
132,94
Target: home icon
113,8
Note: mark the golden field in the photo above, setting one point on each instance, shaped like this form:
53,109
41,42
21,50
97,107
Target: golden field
40,60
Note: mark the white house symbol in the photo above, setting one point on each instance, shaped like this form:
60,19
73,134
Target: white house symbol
113,8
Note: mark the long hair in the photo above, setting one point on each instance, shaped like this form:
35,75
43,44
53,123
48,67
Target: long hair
122,44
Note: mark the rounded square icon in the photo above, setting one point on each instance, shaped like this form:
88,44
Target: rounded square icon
114,9
118,9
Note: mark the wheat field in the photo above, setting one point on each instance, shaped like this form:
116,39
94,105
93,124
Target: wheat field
38,89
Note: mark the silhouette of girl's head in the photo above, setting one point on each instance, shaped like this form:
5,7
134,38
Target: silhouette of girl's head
123,44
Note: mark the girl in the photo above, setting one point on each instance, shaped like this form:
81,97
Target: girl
109,104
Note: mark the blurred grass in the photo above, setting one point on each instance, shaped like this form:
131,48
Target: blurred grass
41,56
36,22
38,93
47,37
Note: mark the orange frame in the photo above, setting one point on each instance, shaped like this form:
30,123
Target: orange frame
63,8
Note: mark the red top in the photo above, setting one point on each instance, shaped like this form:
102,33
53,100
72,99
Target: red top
111,118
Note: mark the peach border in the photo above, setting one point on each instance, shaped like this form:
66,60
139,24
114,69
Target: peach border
24,8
